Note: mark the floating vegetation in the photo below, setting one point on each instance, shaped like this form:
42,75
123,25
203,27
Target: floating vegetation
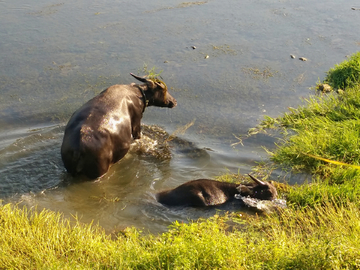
181,130
224,49
181,5
151,73
300,79
189,4
257,73
48,10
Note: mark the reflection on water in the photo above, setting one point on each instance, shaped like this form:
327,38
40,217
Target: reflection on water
56,56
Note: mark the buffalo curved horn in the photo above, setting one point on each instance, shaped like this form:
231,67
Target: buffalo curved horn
141,79
259,182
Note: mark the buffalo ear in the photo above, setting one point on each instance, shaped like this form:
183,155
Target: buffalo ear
259,182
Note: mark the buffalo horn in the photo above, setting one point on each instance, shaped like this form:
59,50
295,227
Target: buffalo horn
139,78
259,182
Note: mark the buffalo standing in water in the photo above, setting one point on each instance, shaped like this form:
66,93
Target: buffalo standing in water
101,131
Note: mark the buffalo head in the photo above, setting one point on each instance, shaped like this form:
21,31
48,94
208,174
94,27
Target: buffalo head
261,190
156,93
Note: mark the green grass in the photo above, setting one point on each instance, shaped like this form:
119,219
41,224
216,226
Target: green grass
345,74
151,73
328,127
325,237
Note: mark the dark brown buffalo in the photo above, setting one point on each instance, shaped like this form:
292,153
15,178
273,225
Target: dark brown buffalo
101,131
205,192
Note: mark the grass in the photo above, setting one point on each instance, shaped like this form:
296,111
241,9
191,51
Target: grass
345,74
151,73
32,240
318,139
320,229
325,237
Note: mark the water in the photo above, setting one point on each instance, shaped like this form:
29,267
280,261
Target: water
55,55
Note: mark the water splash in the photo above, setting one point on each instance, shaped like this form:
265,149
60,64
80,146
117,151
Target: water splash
262,205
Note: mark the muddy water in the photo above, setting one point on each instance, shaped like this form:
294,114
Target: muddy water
55,55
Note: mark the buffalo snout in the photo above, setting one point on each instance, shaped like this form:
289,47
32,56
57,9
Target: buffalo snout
171,102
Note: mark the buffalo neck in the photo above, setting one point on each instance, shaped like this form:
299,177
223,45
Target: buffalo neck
143,96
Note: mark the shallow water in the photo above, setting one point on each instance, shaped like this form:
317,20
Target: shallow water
56,55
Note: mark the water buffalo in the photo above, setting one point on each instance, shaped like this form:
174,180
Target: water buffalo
101,131
205,192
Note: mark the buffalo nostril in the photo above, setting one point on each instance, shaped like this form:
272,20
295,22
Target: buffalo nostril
172,104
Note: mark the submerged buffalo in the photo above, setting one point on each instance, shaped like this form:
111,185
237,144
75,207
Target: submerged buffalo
101,131
205,192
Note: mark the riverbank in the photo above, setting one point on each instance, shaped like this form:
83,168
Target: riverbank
323,237
320,229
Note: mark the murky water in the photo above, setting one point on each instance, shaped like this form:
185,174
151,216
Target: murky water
56,55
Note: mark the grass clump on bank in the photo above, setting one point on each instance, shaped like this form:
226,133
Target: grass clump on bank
345,74
328,128
322,138
33,240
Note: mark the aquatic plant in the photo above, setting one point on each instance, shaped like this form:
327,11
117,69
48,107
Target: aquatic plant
151,73
180,130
